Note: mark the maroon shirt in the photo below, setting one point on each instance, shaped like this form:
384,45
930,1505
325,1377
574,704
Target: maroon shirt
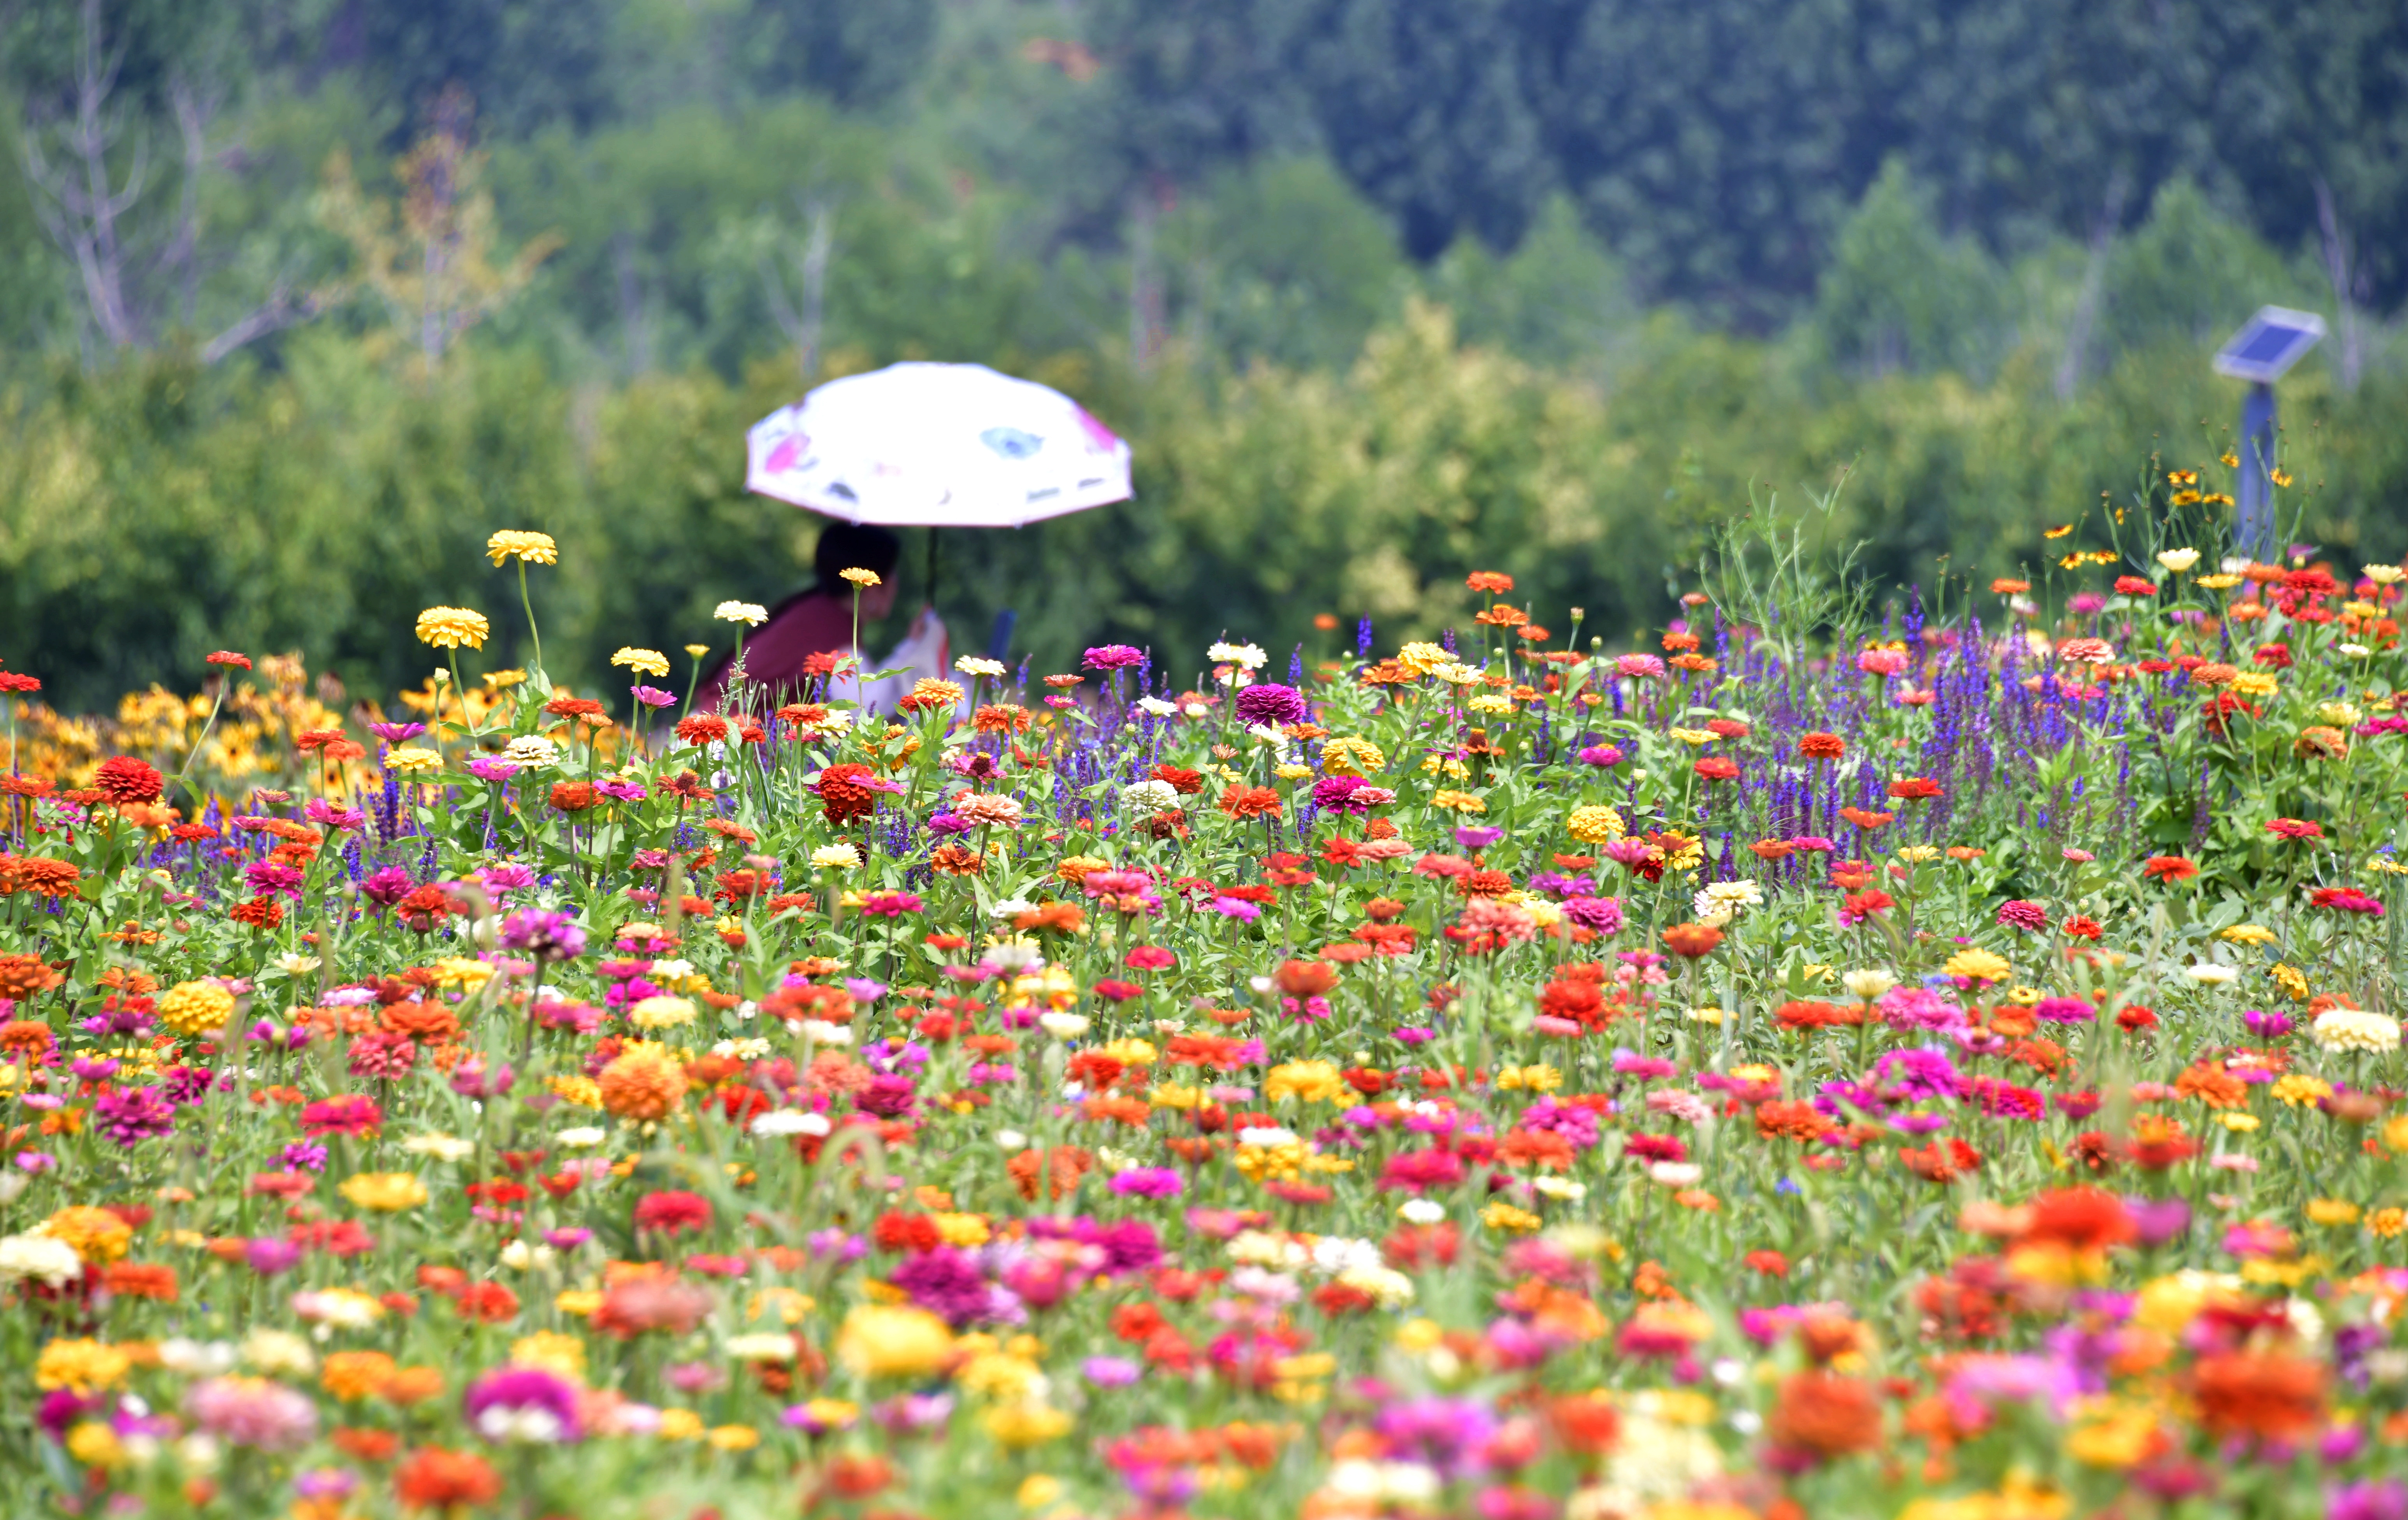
812,623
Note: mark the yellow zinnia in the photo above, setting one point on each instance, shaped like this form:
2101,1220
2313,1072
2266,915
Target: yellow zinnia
891,1340
96,1235
449,628
384,1192
1310,1082
526,548
1352,757
1977,966
193,1007
1027,1424
81,1366
1594,825
642,661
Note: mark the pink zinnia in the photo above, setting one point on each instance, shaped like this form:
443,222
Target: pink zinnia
253,1412
2016,912
1147,1182
349,1114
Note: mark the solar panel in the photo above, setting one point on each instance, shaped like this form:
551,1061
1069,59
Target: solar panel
2269,344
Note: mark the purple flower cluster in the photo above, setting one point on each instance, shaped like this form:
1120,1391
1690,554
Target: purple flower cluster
1268,703
523,1403
131,1116
543,934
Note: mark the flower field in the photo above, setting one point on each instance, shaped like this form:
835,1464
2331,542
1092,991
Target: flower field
1829,1060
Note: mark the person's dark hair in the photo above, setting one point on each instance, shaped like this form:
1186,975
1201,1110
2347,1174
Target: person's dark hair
854,545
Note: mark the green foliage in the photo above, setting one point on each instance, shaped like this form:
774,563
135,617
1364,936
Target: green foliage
2192,273
155,510
1898,294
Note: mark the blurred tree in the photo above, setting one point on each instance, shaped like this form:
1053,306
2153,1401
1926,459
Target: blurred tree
857,55
105,83
1898,294
2191,274
1559,298
1431,109
527,63
430,261
1283,261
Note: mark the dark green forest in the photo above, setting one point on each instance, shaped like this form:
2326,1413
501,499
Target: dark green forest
300,299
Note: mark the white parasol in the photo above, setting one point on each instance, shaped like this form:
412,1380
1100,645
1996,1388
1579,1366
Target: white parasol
936,446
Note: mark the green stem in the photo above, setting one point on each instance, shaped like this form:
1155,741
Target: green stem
189,756
529,607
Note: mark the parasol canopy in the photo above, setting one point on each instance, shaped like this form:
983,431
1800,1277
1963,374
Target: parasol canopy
936,446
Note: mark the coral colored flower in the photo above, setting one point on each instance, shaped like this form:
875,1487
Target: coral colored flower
1692,940
433,1478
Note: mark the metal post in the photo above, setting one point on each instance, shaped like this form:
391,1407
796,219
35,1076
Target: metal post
2256,526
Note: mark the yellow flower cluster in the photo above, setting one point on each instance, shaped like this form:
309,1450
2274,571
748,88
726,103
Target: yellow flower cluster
196,1007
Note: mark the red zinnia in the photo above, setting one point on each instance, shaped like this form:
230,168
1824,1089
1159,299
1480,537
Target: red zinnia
2083,1218
1242,803
672,1212
437,1479
842,796
258,913
2168,868
123,780
1823,1415
1822,746
2273,1397
1185,782
227,657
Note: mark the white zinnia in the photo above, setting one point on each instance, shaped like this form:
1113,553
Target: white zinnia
1869,983
441,1147
531,750
781,1122
2350,1028
1149,797
23,1257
